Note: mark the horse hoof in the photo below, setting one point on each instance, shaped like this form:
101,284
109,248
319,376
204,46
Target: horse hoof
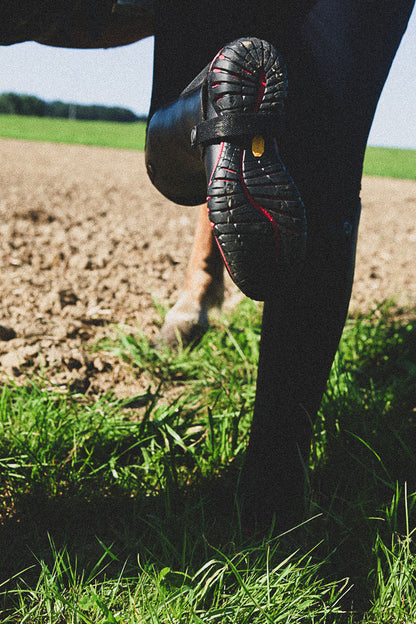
184,324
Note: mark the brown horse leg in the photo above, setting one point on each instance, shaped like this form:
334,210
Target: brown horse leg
203,289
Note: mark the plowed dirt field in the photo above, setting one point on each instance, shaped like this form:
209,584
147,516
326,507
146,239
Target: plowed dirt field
87,242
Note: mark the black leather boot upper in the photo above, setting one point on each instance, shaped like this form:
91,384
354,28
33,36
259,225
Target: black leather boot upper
174,166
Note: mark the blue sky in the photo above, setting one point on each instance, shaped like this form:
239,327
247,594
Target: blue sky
123,77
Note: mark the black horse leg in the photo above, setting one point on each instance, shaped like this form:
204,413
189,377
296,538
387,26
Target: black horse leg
337,62
300,336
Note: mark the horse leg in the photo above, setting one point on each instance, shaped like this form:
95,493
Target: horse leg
300,336
302,327
202,291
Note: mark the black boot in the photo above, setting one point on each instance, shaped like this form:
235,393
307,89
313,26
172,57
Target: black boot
218,142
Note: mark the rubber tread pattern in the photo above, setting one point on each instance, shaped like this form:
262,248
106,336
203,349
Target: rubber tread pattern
256,212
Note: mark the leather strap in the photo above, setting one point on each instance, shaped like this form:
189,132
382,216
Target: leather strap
236,125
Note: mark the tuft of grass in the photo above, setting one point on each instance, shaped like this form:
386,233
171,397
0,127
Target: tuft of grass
246,587
364,450
395,572
221,367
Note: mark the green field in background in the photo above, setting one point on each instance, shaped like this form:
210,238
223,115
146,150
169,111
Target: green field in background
395,163
100,133
392,163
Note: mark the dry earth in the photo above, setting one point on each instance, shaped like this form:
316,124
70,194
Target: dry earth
86,242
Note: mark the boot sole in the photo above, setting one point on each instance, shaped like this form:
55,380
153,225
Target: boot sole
256,212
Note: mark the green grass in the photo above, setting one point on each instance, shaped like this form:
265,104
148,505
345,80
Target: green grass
103,134
124,511
392,163
395,163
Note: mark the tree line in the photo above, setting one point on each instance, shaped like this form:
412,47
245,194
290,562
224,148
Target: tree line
16,104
